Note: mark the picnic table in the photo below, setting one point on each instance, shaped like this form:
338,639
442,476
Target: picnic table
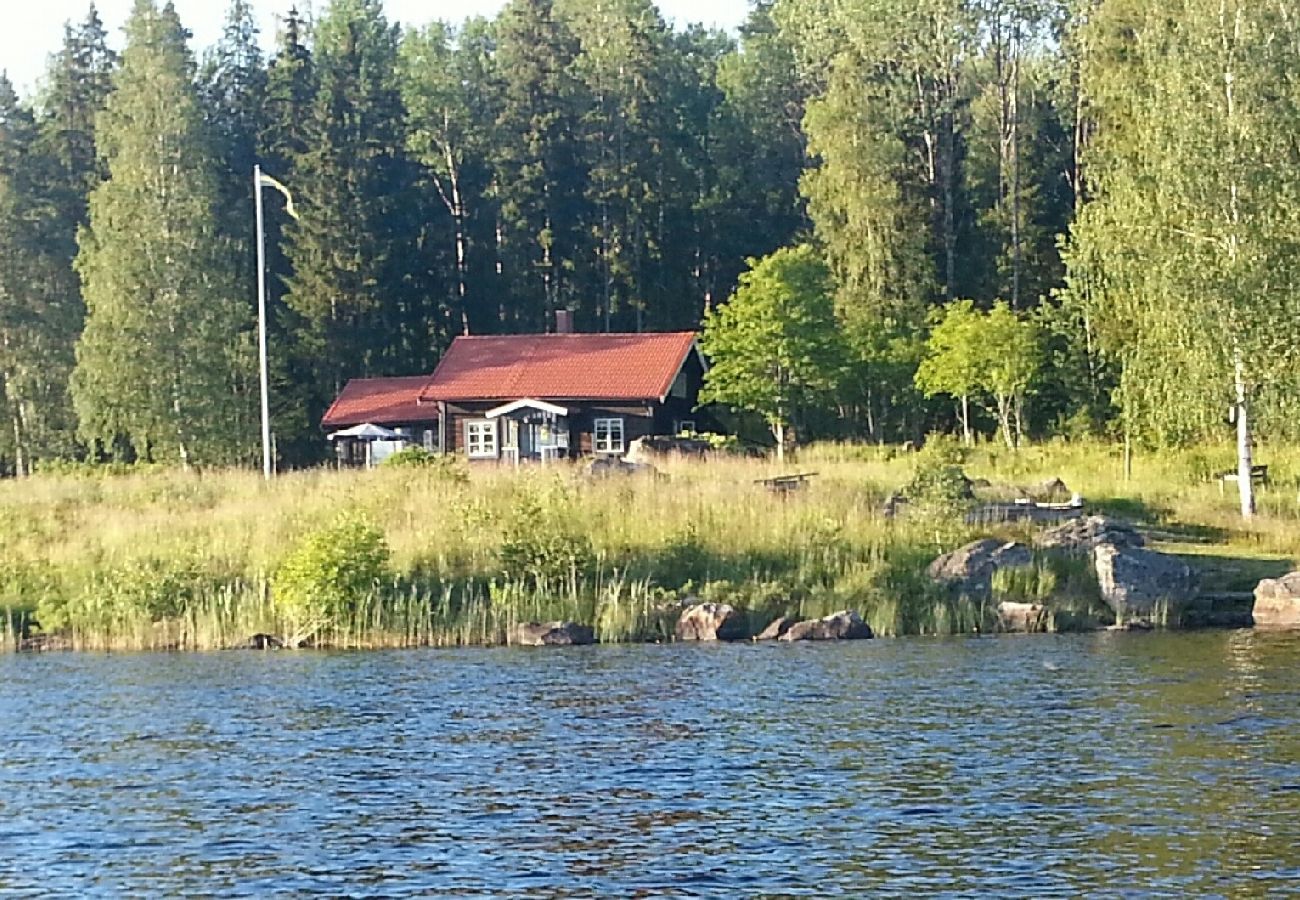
1257,473
784,484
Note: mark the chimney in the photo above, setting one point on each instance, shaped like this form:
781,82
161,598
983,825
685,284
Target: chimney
563,321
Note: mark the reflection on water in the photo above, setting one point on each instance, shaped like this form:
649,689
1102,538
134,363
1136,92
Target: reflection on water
1036,766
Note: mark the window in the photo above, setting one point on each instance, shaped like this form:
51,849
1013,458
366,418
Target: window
685,426
679,386
430,440
608,436
481,439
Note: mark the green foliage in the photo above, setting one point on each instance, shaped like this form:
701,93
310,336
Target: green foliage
995,353
165,360
774,347
135,593
541,544
450,468
939,493
328,572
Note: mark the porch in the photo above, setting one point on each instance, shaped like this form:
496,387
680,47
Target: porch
531,431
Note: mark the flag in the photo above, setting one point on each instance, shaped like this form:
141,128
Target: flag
268,181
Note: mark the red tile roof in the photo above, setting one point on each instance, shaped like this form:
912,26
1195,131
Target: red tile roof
560,367
381,401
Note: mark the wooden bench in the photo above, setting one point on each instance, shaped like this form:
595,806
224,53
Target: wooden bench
784,484
1257,474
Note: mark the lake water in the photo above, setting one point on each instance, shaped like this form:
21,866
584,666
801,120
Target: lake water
1113,764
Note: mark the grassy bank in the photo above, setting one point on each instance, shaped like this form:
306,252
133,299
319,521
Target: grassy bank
172,559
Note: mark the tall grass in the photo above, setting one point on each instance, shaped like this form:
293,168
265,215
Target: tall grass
163,558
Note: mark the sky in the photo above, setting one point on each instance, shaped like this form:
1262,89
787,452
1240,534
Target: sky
33,29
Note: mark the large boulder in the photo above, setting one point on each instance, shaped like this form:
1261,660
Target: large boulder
845,625
550,634
711,622
1277,602
969,569
776,629
1081,537
612,466
263,641
1014,616
1134,581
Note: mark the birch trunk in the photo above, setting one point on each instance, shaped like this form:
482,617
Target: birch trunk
1245,445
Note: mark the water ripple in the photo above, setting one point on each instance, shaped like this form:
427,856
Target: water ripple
1112,765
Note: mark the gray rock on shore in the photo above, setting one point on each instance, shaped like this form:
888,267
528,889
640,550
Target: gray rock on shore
1277,602
845,625
969,569
550,634
776,629
711,622
1134,581
1081,537
1014,616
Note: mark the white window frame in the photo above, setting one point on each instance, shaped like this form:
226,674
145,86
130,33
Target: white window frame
686,426
430,440
482,441
606,444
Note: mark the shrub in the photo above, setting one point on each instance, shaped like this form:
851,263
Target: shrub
939,492
445,466
540,546
328,573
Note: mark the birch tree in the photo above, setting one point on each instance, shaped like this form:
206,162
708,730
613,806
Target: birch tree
164,363
1187,253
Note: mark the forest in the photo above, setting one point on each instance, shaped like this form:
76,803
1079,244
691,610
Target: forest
1003,218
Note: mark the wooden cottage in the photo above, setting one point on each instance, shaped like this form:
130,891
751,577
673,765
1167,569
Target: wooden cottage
535,397
393,403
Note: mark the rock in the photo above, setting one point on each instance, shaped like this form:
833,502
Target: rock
606,466
711,622
647,448
845,625
1051,489
1081,536
1020,616
263,642
969,569
550,634
1134,581
1277,602
778,628
44,643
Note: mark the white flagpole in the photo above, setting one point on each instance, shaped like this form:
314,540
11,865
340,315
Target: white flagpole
261,323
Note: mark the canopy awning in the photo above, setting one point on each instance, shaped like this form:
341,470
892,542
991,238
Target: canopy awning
526,403
367,432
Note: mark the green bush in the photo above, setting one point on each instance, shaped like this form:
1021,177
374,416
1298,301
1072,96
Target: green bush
540,546
446,466
328,573
939,492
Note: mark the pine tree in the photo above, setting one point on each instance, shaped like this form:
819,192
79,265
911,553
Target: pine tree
164,363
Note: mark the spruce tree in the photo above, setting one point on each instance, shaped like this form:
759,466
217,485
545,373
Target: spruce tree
355,290
39,309
285,138
164,364
538,177
233,84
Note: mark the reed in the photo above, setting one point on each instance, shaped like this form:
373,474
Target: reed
162,558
